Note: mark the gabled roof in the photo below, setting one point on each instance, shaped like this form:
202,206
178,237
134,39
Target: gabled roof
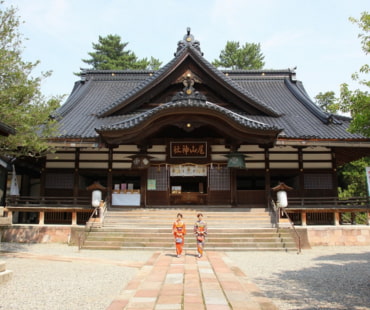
269,101
186,53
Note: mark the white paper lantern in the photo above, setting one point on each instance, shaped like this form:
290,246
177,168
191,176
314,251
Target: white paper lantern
96,198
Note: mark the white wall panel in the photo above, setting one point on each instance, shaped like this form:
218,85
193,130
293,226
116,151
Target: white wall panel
291,165
60,164
320,165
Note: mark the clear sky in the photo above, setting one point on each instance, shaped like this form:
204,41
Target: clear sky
313,35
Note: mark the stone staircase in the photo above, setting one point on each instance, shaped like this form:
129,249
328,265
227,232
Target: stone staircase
229,229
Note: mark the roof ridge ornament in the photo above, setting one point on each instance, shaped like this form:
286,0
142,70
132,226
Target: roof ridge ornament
188,92
188,40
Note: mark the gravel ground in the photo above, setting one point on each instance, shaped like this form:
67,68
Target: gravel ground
65,284
320,278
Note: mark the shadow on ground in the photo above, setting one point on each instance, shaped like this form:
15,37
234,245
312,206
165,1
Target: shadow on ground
339,281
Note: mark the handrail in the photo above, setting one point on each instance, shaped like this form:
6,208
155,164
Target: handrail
48,200
294,229
82,235
332,201
272,207
277,212
90,223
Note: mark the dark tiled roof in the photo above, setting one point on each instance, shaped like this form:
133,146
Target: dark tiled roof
282,100
136,120
190,51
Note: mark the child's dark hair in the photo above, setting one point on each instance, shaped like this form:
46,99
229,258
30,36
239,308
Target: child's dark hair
179,214
199,214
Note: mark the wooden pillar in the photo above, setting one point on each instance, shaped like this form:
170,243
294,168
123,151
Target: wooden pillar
233,198
143,185
76,173
41,217
267,176
110,176
301,173
74,217
10,216
304,218
336,218
43,180
334,172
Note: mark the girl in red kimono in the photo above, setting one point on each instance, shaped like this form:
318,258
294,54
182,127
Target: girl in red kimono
200,230
179,232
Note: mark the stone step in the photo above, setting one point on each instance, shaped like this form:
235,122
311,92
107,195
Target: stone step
2,266
168,228
245,229
209,245
5,275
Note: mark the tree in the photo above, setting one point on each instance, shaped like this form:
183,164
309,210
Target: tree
357,102
22,105
110,54
234,56
327,101
352,178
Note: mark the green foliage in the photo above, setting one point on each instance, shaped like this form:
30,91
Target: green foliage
354,218
327,101
234,56
364,24
22,106
357,102
354,102
110,54
352,178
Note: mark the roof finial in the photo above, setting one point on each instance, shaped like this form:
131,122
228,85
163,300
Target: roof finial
188,40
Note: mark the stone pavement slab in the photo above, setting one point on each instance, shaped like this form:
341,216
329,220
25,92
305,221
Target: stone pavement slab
212,282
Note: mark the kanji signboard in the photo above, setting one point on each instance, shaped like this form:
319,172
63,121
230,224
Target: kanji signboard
188,149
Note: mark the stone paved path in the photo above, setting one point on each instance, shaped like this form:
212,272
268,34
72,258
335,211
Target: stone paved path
212,282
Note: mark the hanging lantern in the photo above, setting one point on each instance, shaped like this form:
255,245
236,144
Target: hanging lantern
236,160
140,161
96,197
281,194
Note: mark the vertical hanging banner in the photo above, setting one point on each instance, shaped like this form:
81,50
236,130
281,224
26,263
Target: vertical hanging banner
14,189
368,180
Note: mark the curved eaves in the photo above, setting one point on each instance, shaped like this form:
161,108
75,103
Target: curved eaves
80,89
326,118
180,106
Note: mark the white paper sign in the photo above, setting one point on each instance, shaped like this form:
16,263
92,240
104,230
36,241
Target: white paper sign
368,180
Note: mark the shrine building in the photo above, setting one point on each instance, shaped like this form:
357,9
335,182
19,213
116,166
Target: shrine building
191,134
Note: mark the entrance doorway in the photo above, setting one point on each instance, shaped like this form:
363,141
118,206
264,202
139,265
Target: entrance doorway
188,185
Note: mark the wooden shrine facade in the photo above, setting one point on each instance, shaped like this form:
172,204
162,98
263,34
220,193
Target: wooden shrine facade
190,134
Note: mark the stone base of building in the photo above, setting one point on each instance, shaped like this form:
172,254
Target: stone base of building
334,236
43,234
309,235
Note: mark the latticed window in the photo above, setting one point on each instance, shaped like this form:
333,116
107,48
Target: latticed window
59,180
318,181
158,175
219,179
